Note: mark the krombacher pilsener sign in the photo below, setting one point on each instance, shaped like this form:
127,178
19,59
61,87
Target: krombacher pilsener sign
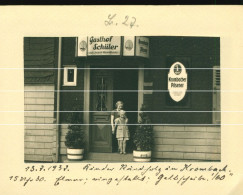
177,81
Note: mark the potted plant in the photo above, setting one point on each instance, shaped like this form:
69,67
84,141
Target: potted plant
75,138
143,138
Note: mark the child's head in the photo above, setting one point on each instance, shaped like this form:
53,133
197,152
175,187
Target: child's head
119,105
122,113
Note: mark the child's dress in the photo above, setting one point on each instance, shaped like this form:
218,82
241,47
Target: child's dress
122,132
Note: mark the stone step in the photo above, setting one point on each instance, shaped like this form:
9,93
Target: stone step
110,157
102,157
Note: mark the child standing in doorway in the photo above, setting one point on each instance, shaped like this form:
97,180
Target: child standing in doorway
122,132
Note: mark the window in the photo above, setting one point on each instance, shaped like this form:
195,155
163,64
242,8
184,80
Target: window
70,76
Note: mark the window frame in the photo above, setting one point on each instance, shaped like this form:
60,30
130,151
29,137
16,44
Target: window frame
65,75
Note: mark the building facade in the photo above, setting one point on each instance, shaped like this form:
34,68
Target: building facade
177,78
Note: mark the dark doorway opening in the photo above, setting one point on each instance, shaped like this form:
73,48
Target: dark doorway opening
125,88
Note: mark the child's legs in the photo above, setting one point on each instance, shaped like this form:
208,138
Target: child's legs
120,145
124,145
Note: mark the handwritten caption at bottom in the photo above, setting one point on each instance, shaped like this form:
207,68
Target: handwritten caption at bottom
180,174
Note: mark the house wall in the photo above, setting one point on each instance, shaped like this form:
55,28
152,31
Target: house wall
187,143
63,148
71,95
183,142
40,61
198,55
40,140
69,98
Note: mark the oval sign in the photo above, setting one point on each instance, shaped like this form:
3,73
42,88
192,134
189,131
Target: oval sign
177,81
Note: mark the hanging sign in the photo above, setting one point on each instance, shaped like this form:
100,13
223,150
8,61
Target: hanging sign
82,46
142,47
104,45
177,81
128,46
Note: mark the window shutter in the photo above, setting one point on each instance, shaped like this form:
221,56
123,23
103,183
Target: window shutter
216,78
216,95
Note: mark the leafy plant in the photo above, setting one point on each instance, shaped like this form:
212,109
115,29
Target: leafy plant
75,137
143,137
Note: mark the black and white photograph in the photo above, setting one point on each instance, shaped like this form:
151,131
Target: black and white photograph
122,99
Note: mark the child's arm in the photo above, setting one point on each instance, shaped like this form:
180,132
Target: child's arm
113,129
112,121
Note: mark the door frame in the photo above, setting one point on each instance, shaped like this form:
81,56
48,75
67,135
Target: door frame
140,86
86,115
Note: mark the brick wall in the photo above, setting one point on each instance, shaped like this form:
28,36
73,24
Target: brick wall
187,143
40,140
63,148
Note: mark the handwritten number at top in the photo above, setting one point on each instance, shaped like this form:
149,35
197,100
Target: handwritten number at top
132,23
128,21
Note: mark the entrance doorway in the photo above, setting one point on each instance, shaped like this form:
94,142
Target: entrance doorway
127,82
107,87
